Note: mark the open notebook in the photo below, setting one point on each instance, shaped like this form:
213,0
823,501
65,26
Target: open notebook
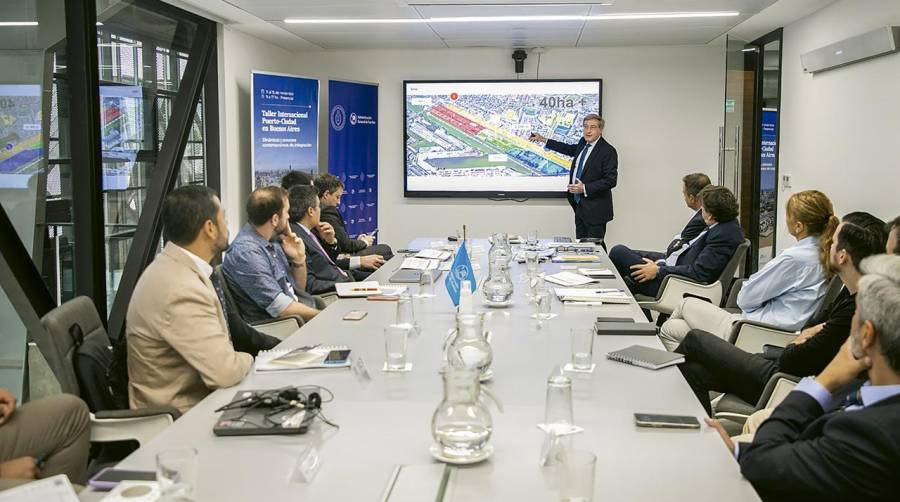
298,359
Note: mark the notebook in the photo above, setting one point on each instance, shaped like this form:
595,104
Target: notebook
298,359
568,279
576,258
420,264
646,357
434,254
405,275
623,326
597,273
590,295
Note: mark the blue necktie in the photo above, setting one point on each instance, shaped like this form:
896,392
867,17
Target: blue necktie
580,168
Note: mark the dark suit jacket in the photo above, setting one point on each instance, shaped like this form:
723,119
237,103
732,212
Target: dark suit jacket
708,255
332,215
811,357
600,174
802,453
693,228
320,273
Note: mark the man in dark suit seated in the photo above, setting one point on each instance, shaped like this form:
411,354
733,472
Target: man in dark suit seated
690,188
712,363
331,189
324,267
592,176
805,452
702,259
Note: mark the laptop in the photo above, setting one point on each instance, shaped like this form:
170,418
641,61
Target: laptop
261,420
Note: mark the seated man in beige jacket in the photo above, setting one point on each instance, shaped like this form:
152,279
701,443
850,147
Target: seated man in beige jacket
179,349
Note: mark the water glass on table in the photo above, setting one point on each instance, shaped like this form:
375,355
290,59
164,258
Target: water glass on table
558,415
582,349
426,284
575,471
395,341
176,473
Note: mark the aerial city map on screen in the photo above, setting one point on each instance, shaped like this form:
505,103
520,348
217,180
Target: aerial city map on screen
473,136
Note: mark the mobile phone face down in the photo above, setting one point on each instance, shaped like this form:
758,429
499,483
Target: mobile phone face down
355,315
666,421
337,356
108,478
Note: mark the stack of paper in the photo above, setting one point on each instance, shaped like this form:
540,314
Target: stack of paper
568,279
597,273
434,254
420,264
366,288
299,359
592,296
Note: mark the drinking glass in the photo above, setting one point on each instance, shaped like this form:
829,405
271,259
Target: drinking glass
575,475
406,314
426,284
395,338
542,306
531,264
176,473
558,414
531,239
582,349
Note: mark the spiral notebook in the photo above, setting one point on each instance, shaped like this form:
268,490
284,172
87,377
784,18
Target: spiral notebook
646,357
298,359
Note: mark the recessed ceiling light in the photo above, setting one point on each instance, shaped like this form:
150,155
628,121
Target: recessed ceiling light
18,23
504,19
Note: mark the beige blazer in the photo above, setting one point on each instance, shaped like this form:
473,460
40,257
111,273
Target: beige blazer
178,343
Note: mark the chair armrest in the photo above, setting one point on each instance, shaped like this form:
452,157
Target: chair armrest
777,388
750,336
675,288
280,328
137,427
140,413
734,417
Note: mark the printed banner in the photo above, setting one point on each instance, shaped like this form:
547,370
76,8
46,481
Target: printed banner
353,151
285,136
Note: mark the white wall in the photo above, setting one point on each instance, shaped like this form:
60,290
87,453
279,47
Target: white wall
840,129
238,55
663,106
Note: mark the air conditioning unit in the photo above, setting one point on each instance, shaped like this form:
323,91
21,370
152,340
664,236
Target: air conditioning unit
885,40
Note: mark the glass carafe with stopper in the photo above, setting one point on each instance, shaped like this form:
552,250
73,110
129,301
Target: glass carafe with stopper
498,287
468,348
461,424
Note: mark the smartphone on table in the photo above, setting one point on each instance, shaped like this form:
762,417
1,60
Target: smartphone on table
666,421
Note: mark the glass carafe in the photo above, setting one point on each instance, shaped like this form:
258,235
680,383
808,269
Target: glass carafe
461,424
468,348
498,287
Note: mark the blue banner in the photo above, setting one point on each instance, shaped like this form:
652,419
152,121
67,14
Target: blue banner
768,146
353,151
285,136
460,270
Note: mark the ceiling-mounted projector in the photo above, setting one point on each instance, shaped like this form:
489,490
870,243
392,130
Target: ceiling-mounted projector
885,40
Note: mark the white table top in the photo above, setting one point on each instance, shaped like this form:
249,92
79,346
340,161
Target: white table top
387,421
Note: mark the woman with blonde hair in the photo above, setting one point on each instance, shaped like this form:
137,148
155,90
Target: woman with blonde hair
786,291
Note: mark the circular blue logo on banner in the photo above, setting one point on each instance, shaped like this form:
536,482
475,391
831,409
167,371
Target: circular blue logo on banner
338,117
353,119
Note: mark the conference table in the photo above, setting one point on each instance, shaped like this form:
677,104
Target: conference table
386,421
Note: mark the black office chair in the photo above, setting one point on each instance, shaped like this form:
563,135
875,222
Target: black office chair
280,328
84,358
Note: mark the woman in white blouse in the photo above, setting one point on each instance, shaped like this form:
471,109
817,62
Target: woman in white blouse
786,291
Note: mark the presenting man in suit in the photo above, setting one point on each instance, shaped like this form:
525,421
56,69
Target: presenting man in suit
592,177
703,258
179,348
803,452
324,268
690,190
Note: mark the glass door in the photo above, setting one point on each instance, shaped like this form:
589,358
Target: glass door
766,179
735,136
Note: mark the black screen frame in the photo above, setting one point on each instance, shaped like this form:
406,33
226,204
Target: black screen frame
484,194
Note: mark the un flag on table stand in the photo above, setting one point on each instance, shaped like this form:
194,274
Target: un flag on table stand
460,270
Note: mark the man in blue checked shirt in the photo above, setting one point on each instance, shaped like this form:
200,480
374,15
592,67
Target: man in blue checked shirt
267,277
817,446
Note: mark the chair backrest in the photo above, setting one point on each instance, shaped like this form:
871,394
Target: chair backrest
834,288
84,351
727,275
736,287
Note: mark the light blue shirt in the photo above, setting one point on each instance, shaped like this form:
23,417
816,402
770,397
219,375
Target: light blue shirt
869,393
787,290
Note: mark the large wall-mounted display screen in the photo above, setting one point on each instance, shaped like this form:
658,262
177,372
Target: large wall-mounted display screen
470,138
